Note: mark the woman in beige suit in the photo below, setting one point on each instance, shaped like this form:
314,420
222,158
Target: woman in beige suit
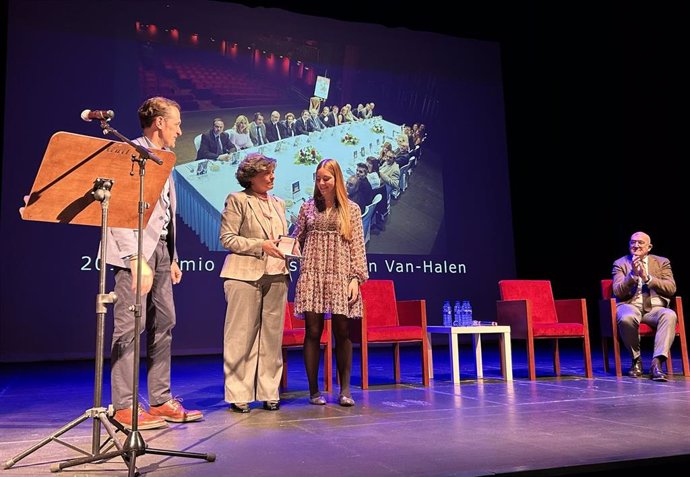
256,285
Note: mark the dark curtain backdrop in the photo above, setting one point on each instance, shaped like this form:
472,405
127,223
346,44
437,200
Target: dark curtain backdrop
595,106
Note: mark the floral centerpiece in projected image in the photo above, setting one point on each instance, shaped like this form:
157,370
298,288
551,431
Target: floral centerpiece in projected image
349,139
377,128
308,156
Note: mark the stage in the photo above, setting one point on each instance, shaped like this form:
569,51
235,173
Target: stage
553,426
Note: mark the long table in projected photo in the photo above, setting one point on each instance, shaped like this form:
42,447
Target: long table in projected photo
202,186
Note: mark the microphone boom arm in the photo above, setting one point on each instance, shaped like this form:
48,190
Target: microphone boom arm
144,152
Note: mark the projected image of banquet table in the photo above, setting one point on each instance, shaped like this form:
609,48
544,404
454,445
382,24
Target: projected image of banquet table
202,186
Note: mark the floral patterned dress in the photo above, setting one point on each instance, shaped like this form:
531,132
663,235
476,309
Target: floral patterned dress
330,262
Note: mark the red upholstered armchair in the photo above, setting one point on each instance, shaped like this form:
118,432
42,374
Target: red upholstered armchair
609,330
387,320
530,310
293,337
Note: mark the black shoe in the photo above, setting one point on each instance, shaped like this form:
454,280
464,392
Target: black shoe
656,373
635,370
271,405
241,407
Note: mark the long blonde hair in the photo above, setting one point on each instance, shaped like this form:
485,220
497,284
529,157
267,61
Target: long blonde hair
341,200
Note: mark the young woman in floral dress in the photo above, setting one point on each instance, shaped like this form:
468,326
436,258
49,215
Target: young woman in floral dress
330,235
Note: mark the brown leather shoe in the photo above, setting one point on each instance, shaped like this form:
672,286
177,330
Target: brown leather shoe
173,411
144,419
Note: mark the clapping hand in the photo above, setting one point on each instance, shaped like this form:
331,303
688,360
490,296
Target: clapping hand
639,269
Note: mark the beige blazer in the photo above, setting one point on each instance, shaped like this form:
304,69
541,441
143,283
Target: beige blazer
243,228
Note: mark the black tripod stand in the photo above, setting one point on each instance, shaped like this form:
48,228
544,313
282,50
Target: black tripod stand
101,193
58,195
134,444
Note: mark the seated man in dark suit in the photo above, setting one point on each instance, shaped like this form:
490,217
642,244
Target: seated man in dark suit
358,187
275,130
215,143
303,124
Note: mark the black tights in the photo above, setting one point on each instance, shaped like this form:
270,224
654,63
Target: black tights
313,323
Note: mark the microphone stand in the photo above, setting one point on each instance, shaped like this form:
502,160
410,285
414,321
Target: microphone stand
99,414
134,445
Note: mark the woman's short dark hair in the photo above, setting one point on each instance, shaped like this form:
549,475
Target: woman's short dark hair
252,165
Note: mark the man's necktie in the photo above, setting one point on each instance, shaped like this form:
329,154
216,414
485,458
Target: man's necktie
259,137
277,131
644,291
646,299
219,145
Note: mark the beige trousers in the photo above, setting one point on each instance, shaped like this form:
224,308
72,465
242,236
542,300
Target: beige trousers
253,338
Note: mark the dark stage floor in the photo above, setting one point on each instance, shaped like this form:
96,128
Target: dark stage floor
554,426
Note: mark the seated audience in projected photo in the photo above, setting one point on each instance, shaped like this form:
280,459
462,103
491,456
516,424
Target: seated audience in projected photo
368,111
373,165
346,115
407,130
215,144
275,130
335,113
385,147
255,285
289,125
389,172
330,234
402,152
643,285
327,118
315,120
359,112
418,134
239,134
303,125
359,188
257,130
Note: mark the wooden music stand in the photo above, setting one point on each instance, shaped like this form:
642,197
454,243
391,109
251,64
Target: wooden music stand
77,172
62,190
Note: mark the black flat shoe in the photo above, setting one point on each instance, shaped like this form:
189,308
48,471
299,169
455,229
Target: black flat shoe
241,407
271,405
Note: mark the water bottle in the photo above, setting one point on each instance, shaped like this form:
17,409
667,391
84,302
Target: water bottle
457,314
466,313
447,314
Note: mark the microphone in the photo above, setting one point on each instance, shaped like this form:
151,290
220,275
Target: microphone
88,115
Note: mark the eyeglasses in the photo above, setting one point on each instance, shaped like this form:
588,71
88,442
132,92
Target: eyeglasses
638,242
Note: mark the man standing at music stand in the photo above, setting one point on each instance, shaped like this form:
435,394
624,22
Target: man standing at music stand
160,121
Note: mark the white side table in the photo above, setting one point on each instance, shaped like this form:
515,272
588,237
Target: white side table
476,332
